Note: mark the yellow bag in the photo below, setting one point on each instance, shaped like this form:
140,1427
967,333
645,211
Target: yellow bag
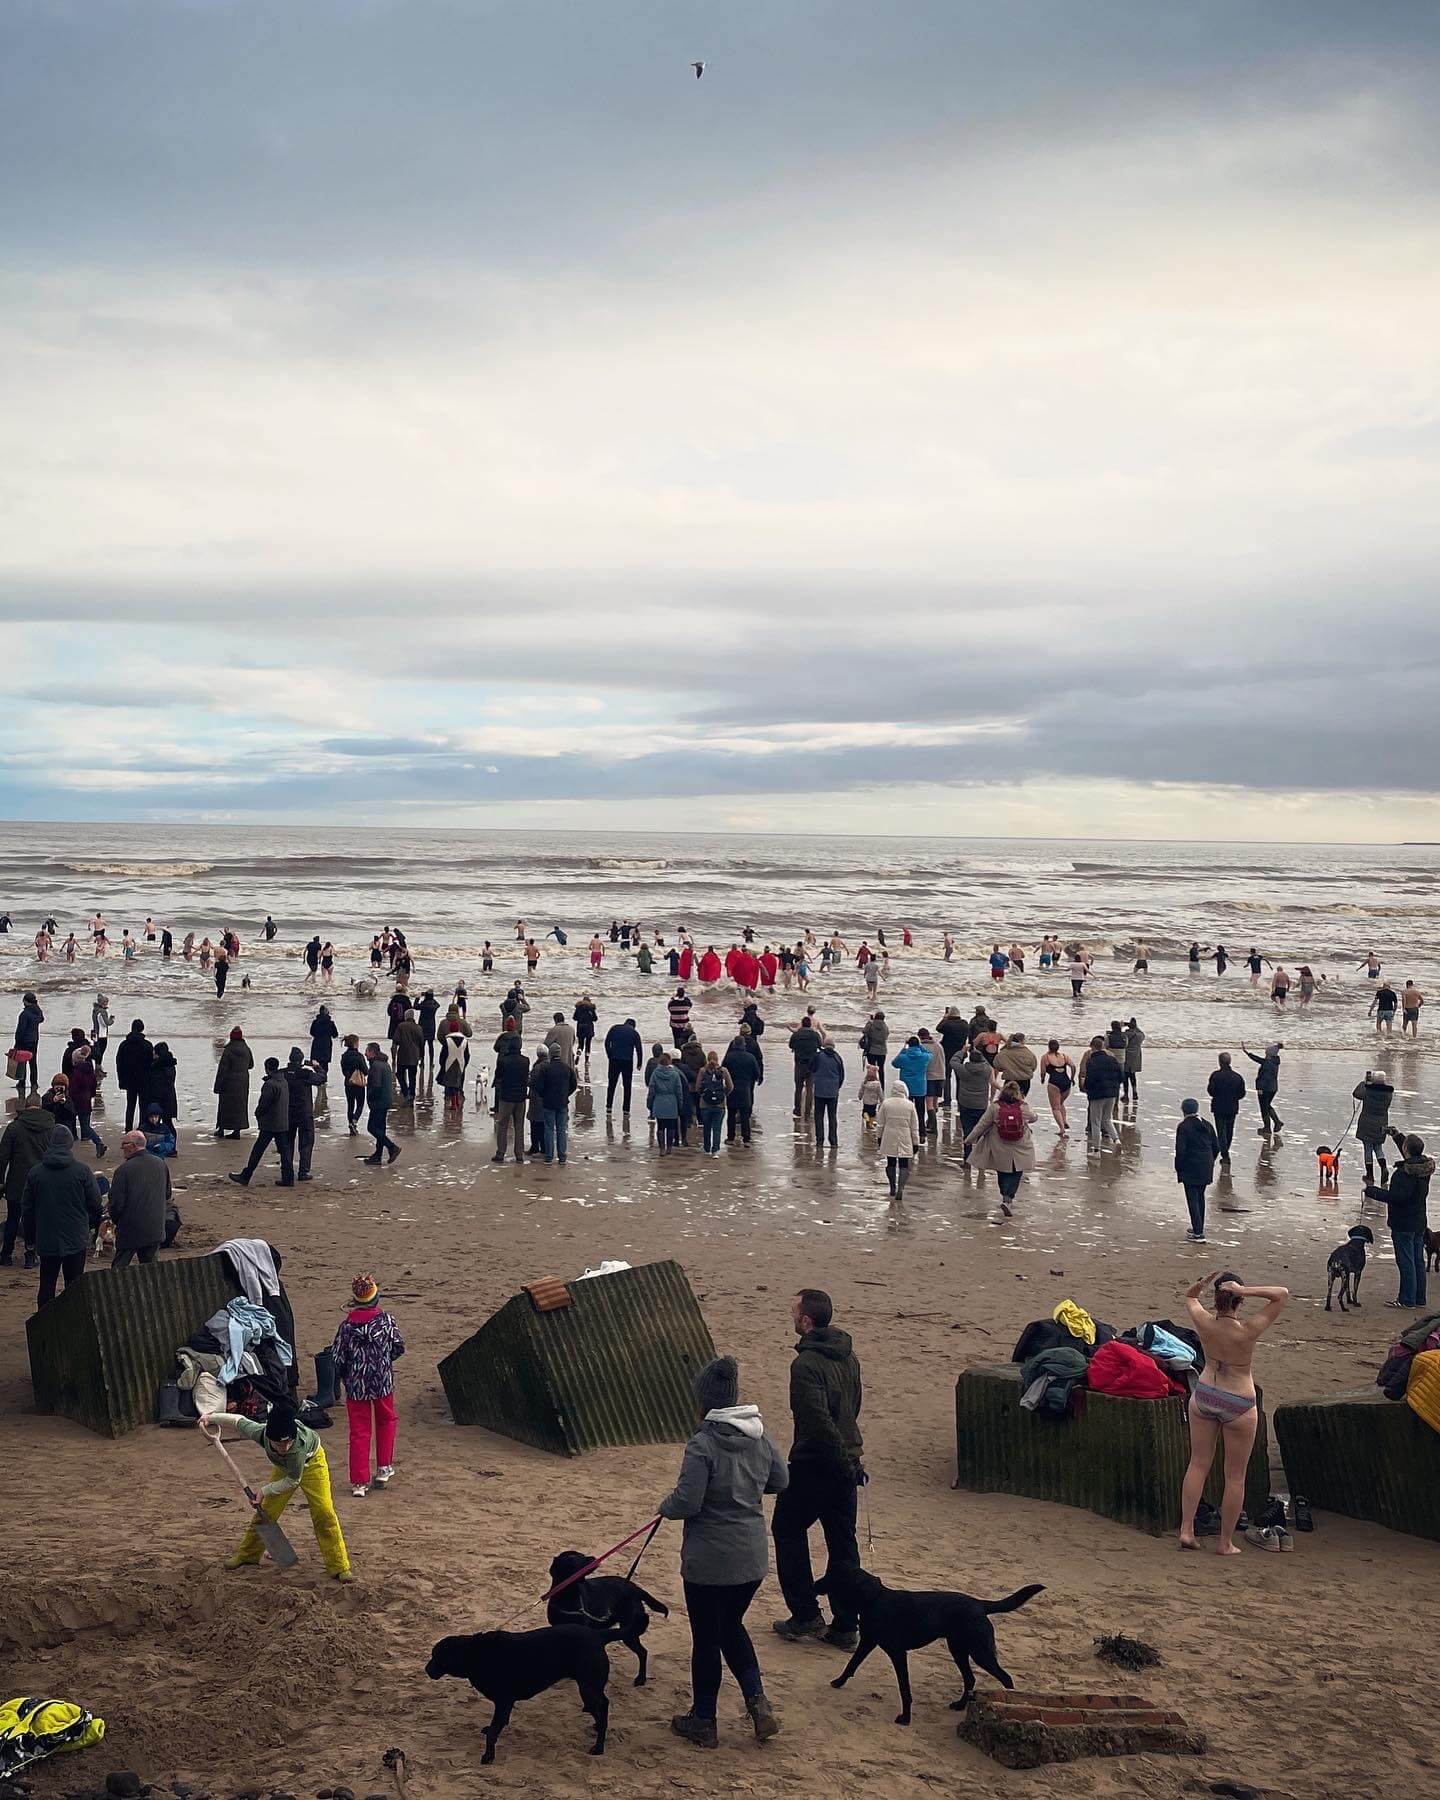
1422,1387
33,1729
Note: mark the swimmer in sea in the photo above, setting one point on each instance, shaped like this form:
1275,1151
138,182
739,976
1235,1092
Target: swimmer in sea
1223,1403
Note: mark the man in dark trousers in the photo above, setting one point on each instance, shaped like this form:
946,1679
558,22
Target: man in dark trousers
825,1472
301,1080
1226,1088
132,1065
27,1037
805,1044
625,1053
272,1126
61,1210
22,1144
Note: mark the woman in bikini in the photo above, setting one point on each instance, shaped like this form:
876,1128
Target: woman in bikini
1223,1403
1058,1070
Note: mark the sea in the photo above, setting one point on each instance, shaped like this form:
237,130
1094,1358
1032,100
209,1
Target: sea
451,890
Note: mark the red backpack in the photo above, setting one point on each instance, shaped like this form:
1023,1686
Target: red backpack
1010,1122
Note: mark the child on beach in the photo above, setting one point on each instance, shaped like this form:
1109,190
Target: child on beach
872,1092
366,1349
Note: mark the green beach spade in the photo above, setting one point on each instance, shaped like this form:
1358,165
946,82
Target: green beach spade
281,1550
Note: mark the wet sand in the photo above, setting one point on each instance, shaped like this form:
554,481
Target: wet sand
1305,1670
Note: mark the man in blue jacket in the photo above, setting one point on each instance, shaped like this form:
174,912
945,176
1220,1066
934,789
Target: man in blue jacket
625,1053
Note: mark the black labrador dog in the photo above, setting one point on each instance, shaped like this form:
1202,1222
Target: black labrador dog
1347,1265
506,1666
604,1603
897,1622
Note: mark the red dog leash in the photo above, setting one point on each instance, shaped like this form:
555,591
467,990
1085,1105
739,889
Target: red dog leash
650,1525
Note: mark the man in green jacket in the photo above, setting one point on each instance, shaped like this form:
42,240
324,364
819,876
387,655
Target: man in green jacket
825,1471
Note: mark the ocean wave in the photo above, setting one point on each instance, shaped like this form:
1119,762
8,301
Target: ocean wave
158,870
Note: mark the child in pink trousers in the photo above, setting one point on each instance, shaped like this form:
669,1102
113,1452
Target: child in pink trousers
366,1348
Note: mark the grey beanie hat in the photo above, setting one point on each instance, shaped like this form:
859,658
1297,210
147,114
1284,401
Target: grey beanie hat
718,1383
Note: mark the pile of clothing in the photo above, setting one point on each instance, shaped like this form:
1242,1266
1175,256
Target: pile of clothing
242,1359
1071,1350
1397,1370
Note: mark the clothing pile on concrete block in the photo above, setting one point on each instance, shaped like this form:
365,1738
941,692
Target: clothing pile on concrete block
1071,1350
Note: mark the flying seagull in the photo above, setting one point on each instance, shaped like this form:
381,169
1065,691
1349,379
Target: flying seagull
699,69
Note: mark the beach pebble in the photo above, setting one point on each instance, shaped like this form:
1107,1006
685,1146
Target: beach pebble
123,1784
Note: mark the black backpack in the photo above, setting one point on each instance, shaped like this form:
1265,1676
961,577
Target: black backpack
712,1088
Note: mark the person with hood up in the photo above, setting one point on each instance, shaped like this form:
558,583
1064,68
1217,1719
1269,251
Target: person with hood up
1372,1122
23,1143
60,1213
555,1082
101,1019
1003,1141
427,1010
728,1467
1226,1088
232,1086
297,1460
825,1471
624,1053
1132,1061
913,1062
379,1098
132,1062
586,1016
409,1052
742,1064
272,1125
1405,1199
934,1081
827,1078
140,1198
323,1033
82,1095
454,1065
366,1348
954,1035
27,1039
1267,1085
1196,1148
301,1080
665,1096
159,1085
899,1136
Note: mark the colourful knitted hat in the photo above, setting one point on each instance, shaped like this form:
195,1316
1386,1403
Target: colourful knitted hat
366,1290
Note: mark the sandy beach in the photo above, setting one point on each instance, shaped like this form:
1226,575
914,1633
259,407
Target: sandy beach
263,1680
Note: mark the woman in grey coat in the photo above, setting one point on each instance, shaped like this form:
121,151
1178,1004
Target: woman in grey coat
1010,1158
729,1466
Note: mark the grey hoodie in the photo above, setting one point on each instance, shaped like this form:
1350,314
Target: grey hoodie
728,1466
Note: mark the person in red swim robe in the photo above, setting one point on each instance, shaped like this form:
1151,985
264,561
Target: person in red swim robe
769,967
709,969
745,969
686,964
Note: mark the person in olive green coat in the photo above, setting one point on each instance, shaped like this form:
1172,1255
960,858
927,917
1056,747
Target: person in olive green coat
232,1086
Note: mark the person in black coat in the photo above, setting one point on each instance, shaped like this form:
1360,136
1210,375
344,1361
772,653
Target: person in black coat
132,1064
353,1063
61,1212
323,1033
1196,1147
1405,1202
625,1053
426,1013
158,1087
301,1079
745,1073
1226,1088
27,1037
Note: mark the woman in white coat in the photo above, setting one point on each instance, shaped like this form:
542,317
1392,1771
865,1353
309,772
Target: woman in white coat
899,1133
1003,1141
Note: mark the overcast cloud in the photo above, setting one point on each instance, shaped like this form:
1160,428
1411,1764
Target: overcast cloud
942,417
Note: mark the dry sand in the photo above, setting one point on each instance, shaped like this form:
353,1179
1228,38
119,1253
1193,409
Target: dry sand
1309,1672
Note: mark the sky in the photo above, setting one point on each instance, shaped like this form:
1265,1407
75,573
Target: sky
941,417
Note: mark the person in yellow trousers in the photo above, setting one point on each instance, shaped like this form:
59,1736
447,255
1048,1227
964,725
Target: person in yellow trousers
297,1460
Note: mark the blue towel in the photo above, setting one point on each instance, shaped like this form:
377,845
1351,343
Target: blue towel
247,1325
